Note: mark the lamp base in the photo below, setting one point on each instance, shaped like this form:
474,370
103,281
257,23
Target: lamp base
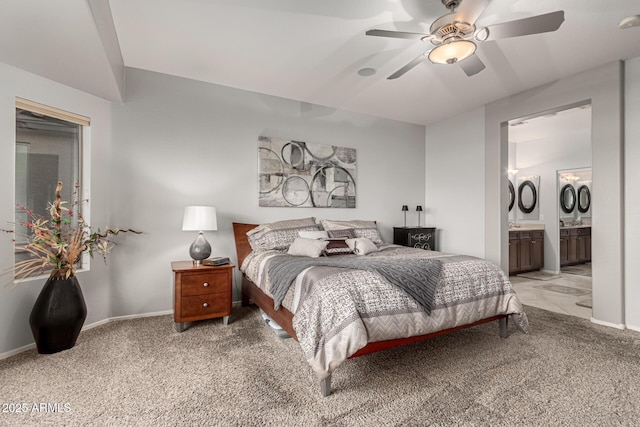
200,249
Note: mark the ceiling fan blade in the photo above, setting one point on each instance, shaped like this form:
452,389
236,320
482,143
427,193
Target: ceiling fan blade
522,27
472,65
409,66
470,10
397,34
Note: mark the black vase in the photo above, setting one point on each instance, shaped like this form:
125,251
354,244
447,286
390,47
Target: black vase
58,315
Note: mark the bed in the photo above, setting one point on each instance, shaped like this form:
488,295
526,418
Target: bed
342,313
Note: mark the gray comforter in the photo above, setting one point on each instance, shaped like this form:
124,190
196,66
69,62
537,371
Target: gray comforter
337,311
417,277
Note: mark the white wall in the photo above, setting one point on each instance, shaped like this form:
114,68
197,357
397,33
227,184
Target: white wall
632,199
455,182
544,158
603,87
181,142
16,304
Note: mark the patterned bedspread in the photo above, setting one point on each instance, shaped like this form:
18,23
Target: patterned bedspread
338,311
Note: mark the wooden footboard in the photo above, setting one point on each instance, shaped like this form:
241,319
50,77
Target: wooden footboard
284,318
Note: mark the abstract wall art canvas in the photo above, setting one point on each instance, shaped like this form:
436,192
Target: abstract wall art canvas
301,174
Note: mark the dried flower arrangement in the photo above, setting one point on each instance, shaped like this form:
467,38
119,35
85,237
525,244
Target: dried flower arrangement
58,242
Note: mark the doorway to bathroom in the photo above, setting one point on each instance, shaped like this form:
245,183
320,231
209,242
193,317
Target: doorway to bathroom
549,237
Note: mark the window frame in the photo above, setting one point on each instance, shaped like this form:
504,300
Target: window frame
84,158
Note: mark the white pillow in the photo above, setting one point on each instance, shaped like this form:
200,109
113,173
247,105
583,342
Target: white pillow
320,234
307,247
362,245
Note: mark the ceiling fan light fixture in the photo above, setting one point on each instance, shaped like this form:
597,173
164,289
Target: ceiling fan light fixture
452,52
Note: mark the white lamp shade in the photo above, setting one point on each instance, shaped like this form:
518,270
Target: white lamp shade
199,218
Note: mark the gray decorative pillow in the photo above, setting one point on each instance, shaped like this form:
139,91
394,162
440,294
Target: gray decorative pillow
307,247
281,234
367,229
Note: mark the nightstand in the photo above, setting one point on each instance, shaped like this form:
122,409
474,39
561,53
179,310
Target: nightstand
201,292
415,237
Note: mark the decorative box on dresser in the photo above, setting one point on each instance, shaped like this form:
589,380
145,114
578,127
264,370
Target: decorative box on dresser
415,237
201,292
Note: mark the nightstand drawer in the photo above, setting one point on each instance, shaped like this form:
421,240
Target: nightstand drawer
204,306
201,292
204,283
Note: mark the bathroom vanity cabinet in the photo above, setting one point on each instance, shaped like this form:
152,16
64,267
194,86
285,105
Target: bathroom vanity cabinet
526,251
575,245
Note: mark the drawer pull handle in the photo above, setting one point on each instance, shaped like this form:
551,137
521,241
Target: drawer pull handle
206,304
533,241
205,284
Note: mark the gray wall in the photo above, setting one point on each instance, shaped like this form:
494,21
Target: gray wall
16,303
455,184
181,142
603,87
632,199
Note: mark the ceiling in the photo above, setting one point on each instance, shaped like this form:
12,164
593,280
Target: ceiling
557,124
308,50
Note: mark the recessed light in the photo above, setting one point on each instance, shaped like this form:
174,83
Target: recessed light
367,71
629,21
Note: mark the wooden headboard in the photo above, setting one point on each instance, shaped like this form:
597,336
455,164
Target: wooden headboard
242,242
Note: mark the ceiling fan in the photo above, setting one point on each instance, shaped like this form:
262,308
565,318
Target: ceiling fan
455,34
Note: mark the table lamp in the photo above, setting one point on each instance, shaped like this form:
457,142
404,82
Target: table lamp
419,209
405,208
199,218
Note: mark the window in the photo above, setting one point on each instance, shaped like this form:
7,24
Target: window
49,145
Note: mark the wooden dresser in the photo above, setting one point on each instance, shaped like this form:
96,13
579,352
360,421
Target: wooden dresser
415,237
201,292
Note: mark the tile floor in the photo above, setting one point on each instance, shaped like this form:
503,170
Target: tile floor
538,293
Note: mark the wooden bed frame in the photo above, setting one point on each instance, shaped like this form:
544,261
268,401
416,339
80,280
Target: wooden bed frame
284,318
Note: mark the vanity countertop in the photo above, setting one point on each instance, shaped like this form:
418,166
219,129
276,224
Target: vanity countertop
567,227
526,227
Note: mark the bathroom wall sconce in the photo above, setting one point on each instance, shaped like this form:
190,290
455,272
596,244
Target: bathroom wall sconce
418,209
405,208
569,177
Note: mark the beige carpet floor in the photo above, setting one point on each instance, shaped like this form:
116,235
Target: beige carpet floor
141,372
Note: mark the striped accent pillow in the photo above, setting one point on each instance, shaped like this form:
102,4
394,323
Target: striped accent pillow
367,229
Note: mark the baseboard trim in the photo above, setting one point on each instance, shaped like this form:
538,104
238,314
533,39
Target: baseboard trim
634,328
609,324
126,317
19,350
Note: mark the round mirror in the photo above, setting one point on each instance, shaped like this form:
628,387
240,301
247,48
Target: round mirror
512,196
567,198
527,196
584,199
